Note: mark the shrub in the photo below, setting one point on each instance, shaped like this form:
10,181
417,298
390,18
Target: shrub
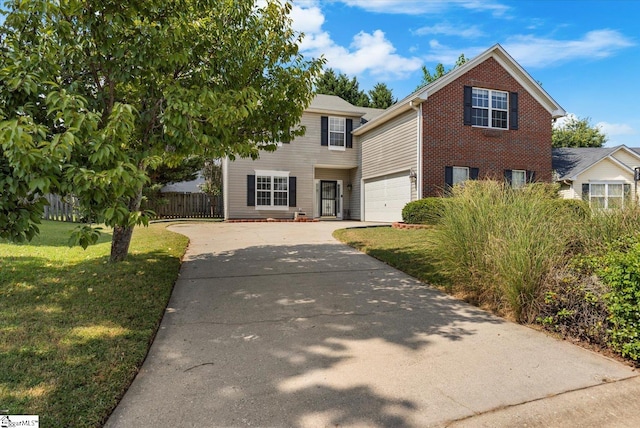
575,207
619,268
575,306
423,211
497,245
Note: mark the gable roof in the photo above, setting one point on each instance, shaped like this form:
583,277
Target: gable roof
501,56
569,162
332,104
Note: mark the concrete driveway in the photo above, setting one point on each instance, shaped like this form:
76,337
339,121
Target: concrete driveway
279,325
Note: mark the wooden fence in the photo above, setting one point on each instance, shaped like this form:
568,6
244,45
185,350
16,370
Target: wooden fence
61,209
165,205
185,205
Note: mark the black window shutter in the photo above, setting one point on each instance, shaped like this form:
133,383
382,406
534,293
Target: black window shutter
448,176
292,192
349,128
473,173
513,107
507,176
585,191
324,131
531,176
251,190
467,105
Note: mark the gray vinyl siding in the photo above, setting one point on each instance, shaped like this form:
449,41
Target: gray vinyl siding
391,148
300,158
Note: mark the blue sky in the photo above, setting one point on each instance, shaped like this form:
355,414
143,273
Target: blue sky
586,54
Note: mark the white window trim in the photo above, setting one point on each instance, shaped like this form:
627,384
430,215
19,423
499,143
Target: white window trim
491,109
606,191
272,174
343,147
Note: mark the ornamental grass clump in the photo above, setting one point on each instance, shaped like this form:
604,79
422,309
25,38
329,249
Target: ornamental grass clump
498,244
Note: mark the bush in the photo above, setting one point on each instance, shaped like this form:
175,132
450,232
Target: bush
605,227
619,268
423,211
575,207
498,245
575,306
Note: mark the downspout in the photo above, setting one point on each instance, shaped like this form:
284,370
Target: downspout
225,187
418,110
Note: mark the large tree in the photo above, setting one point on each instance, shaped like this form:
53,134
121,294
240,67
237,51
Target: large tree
340,85
94,94
439,71
381,96
577,132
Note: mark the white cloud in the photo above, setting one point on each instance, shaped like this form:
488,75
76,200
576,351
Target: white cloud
451,30
423,7
369,53
532,51
613,129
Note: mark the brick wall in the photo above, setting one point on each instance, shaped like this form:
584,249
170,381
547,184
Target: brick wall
448,142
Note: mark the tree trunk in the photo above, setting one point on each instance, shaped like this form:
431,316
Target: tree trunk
120,243
122,234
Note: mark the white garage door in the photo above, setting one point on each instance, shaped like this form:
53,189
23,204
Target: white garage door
384,197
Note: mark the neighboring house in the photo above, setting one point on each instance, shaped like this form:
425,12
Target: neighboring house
318,173
603,176
485,119
192,186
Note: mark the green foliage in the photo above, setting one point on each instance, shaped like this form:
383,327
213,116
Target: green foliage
576,132
440,71
95,95
498,244
577,208
381,96
604,227
574,305
340,85
619,269
424,211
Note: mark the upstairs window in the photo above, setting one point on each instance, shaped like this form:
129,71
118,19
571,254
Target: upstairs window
336,133
489,108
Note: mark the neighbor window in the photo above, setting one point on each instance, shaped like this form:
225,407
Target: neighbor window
272,189
460,174
606,195
337,132
489,108
518,178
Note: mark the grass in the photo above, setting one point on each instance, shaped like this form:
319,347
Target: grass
74,329
404,249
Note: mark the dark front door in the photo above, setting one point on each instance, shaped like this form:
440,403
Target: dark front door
328,198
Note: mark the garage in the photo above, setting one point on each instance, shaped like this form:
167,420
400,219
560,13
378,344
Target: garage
384,197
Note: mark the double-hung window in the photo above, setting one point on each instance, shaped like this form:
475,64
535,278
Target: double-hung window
606,195
489,108
272,190
337,133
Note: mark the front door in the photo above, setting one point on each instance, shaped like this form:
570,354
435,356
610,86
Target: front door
329,198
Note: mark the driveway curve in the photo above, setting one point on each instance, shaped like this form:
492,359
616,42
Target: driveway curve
279,325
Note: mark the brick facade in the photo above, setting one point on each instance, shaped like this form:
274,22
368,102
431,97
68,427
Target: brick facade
448,142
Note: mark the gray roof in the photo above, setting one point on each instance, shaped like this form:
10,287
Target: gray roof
571,161
333,103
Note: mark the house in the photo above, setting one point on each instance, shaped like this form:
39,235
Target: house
318,174
485,119
603,176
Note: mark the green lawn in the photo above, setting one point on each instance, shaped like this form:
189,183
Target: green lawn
74,329
404,249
